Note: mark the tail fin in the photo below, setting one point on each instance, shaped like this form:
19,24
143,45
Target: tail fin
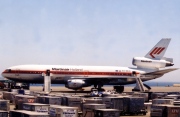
158,51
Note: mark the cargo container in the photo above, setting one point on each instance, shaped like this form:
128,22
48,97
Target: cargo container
9,96
34,114
163,101
133,105
126,104
92,100
16,113
52,100
158,111
34,93
73,102
63,111
23,113
144,95
26,92
37,107
164,108
20,99
148,106
173,111
106,113
110,95
155,95
175,97
177,103
3,113
14,90
4,105
88,109
113,102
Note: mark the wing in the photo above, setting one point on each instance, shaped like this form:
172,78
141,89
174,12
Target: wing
161,72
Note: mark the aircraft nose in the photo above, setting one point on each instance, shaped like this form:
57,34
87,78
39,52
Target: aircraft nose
5,73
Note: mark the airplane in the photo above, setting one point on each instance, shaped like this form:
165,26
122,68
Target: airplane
77,77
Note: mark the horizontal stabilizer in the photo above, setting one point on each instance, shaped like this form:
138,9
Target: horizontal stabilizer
161,72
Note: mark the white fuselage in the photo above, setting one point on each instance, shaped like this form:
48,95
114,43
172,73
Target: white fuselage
62,73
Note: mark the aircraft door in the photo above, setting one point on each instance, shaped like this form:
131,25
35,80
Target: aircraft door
133,73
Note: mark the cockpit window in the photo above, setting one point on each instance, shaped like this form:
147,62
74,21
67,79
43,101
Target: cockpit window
8,70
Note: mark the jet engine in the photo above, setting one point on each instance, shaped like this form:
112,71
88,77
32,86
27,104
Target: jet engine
143,62
75,84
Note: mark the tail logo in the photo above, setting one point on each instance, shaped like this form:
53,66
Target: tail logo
156,51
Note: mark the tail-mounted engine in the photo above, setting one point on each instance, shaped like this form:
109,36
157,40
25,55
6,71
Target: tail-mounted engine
143,62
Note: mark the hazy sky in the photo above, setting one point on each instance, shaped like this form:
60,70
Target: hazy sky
87,32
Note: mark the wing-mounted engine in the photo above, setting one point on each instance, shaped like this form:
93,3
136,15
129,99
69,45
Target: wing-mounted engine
143,62
76,84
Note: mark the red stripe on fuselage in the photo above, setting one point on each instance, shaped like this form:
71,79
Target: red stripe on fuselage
72,73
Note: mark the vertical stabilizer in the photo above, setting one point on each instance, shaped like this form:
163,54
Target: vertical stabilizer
158,51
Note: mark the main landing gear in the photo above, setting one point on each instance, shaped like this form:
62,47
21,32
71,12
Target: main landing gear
98,87
118,89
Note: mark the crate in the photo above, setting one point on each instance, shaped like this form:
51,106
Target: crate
37,107
106,113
